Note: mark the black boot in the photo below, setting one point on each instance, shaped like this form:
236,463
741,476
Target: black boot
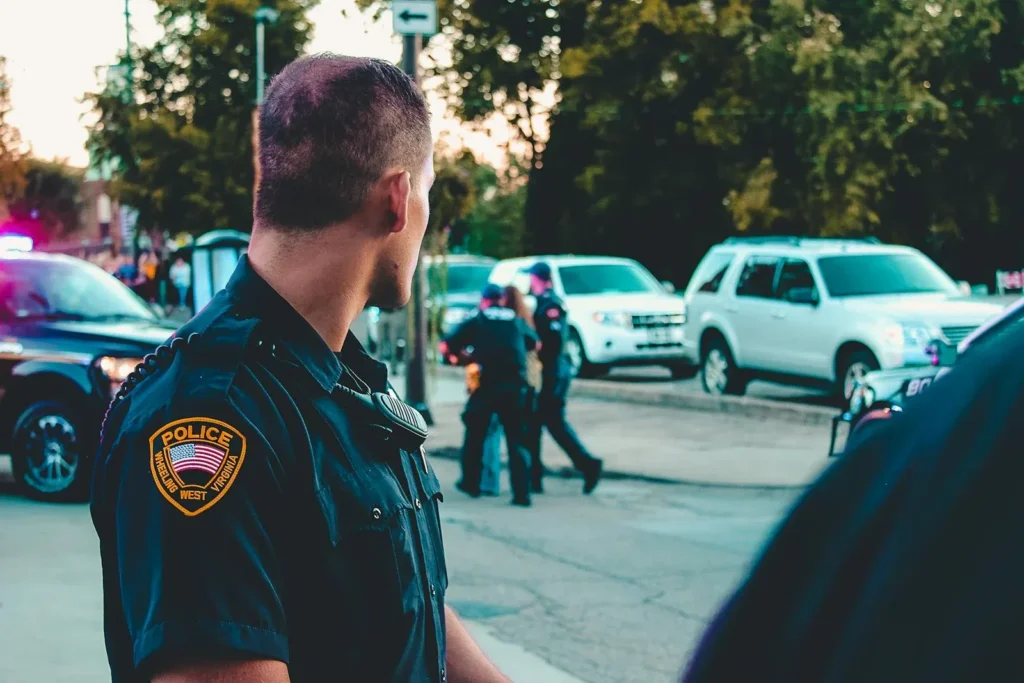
592,476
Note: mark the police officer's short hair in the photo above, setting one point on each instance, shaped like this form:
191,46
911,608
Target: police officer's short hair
329,129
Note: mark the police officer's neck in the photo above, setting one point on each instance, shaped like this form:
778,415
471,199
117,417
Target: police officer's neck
328,283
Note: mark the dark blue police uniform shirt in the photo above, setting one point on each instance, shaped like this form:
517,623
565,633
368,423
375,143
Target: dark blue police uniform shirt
242,513
904,563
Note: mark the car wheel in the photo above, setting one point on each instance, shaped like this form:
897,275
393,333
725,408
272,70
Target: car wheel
852,368
683,371
719,375
579,366
48,453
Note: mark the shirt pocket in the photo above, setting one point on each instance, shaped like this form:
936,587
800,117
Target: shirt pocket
371,556
431,488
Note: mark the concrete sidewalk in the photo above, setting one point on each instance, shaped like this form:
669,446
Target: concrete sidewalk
672,445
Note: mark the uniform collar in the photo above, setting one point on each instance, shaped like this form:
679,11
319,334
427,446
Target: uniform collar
294,333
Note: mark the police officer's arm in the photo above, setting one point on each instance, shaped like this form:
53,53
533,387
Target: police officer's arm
199,492
265,671
465,661
460,338
531,337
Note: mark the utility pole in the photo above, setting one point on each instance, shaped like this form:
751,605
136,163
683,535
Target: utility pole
128,67
412,19
264,15
416,371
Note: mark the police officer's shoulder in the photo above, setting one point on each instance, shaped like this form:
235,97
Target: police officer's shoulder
193,397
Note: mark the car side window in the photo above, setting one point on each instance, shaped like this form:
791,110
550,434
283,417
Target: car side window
795,274
758,277
711,271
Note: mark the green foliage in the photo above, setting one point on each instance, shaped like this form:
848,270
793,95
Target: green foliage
50,201
183,144
13,158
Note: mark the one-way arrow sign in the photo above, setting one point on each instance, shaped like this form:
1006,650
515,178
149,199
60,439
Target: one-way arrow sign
414,17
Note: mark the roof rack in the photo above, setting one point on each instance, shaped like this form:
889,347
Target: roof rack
796,241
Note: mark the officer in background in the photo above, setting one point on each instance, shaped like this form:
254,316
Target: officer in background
264,508
549,319
904,561
500,341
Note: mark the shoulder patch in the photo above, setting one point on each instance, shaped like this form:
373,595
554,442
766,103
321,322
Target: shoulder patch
554,312
195,461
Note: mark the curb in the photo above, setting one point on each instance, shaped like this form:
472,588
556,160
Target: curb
743,406
455,453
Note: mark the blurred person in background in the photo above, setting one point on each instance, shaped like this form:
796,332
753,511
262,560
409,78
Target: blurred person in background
500,341
550,322
181,277
515,300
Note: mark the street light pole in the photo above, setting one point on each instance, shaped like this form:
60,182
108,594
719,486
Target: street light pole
264,15
416,372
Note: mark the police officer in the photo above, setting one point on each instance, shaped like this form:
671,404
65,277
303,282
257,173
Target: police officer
549,319
263,504
500,340
904,561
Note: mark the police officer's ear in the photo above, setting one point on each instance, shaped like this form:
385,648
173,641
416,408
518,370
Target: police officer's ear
398,187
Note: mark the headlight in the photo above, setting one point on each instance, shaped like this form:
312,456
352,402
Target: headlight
910,335
616,319
116,370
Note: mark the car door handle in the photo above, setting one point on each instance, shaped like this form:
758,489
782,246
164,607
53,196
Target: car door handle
732,309
778,315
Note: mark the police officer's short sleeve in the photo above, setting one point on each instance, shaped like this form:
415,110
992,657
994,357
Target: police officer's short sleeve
199,493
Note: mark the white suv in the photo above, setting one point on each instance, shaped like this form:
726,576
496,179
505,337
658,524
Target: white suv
818,311
619,314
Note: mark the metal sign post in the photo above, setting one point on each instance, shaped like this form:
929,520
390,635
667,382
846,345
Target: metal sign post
412,19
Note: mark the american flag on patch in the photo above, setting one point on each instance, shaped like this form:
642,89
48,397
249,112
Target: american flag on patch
196,456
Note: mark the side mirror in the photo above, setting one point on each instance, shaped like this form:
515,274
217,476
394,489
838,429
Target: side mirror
942,353
806,296
669,287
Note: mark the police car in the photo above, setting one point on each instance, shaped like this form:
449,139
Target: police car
70,334
882,394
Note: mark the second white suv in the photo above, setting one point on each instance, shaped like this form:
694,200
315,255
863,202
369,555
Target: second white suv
619,314
818,312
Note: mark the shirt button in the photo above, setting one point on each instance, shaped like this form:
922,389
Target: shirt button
444,676
418,504
376,513
433,591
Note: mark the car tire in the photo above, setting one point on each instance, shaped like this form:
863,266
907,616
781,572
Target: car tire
850,367
576,354
50,454
683,371
719,374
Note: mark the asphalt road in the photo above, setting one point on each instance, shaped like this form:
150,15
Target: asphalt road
609,588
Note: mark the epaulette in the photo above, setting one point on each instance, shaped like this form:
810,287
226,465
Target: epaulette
150,365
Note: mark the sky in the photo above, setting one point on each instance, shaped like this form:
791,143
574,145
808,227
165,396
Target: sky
53,48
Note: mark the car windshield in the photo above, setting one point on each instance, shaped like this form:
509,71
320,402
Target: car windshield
1010,321
460,277
880,274
65,290
607,278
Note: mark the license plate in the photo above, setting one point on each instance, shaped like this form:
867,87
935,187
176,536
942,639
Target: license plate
659,335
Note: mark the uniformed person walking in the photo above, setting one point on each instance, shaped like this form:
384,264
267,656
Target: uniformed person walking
904,562
264,508
500,340
549,319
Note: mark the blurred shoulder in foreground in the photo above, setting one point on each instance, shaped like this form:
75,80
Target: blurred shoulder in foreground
903,562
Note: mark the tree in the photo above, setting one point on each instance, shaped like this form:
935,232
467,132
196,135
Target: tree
13,156
49,207
184,144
